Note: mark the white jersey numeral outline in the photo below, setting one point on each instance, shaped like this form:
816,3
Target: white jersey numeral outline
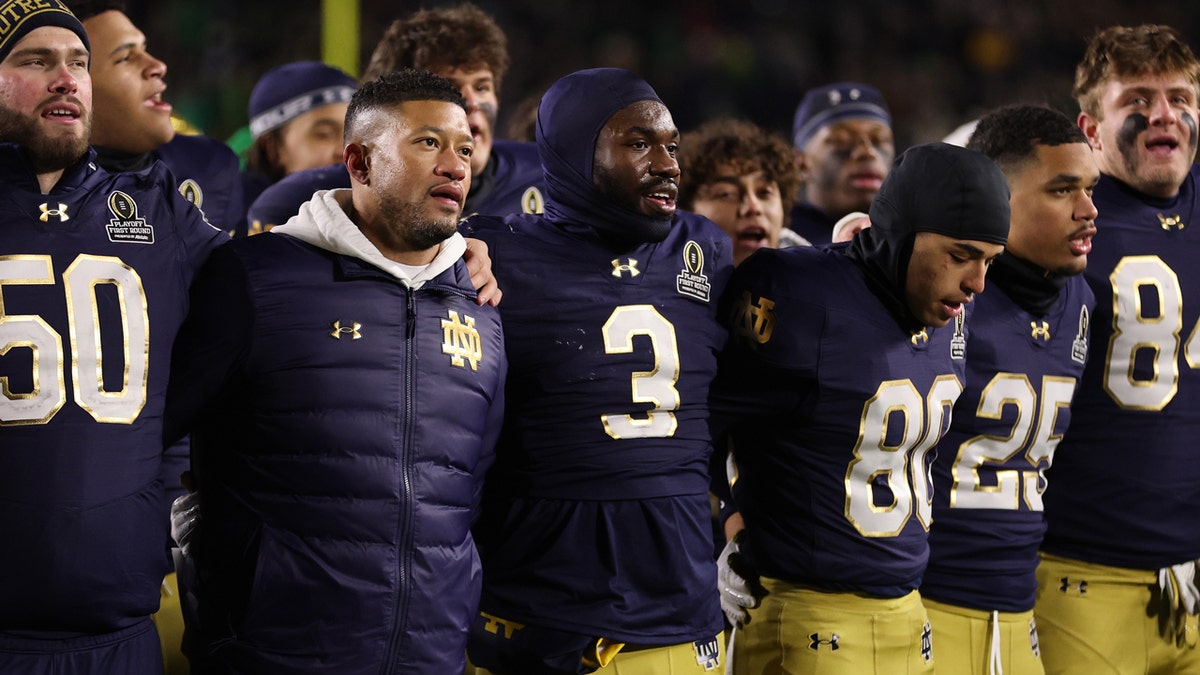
80,280
968,490
656,386
1133,331
903,464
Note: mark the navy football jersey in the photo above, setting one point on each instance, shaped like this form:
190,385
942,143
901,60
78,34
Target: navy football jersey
836,408
1126,480
596,517
93,286
208,176
514,185
988,477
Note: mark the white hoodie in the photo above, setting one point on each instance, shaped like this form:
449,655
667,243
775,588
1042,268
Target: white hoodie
322,222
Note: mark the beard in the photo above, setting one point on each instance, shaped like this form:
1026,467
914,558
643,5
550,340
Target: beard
409,223
48,154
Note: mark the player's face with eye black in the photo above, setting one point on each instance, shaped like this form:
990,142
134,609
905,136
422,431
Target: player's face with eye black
1146,133
844,165
634,165
944,274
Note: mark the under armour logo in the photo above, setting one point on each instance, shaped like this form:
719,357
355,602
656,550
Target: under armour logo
1168,222
461,341
927,642
816,641
1079,587
61,212
502,627
919,337
352,330
1039,332
630,266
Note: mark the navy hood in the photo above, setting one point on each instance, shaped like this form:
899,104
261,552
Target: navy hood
570,117
935,187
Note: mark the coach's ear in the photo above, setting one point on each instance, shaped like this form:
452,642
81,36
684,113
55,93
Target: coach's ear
356,157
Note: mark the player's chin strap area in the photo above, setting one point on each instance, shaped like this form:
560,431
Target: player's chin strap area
995,663
1179,591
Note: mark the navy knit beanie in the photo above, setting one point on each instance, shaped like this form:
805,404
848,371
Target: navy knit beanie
18,19
288,91
833,102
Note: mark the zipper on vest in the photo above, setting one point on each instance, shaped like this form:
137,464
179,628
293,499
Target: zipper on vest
407,501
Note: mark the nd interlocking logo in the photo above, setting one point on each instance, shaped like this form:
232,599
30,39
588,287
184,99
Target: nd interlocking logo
461,341
708,653
502,627
755,319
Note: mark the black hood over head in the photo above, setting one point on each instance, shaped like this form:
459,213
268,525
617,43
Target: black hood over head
934,187
570,117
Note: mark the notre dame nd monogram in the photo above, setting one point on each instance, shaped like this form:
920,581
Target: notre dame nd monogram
461,341
754,319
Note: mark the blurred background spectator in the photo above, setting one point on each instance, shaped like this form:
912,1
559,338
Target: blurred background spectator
937,62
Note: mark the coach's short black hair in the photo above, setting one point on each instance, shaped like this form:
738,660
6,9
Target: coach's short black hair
86,9
1010,135
398,87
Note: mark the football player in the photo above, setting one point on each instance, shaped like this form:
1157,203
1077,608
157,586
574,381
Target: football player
1115,585
1028,344
94,275
595,534
839,379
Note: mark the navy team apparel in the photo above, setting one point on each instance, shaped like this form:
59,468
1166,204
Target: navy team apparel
93,282
811,223
341,423
1125,481
832,407
511,183
1022,374
205,169
596,519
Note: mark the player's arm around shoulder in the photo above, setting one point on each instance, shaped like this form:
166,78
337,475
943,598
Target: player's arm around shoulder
479,237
